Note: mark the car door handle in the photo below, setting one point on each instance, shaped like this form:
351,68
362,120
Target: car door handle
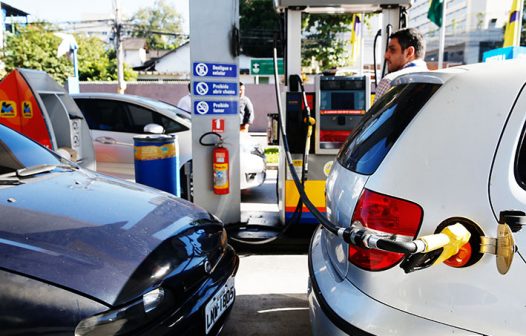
110,141
106,140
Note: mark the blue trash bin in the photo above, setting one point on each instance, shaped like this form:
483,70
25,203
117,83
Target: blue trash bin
157,162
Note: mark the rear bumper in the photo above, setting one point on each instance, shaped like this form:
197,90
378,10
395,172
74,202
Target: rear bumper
337,307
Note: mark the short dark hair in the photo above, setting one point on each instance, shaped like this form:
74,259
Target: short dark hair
411,37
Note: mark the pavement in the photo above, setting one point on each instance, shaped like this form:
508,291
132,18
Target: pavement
271,297
271,284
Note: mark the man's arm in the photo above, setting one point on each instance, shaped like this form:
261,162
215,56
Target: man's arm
249,112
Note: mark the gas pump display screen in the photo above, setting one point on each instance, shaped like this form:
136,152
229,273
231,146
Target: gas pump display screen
342,96
342,103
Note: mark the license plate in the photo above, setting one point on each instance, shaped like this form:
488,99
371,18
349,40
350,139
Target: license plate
222,299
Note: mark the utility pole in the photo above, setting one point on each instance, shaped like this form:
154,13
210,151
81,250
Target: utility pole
517,39
118,47
442,40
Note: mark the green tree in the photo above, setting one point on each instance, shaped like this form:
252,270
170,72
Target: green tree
129,74
161,25
323,41
98,63
35,47
93,59
321,33
259,24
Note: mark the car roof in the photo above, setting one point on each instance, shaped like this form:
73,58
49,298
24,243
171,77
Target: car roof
511,72
110,95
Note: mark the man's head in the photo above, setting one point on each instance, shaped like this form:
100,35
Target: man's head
241,89
405,45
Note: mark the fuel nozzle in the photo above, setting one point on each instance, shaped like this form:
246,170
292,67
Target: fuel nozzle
438,248
450,239
422,252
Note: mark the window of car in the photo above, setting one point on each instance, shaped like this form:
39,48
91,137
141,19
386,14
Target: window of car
104,115
140,117
520,161
118,116
382,125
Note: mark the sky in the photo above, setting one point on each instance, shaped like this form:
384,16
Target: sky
76,10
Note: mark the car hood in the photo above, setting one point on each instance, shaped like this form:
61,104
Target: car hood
87,232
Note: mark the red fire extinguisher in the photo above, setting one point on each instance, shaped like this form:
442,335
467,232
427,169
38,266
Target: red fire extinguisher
220,168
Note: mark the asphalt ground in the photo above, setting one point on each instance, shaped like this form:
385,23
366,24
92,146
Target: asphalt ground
271,284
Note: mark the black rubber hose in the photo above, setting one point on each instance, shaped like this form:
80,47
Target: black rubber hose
396,246
378,34
388,30
315,212
210,143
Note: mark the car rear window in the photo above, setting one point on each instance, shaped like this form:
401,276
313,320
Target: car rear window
381,126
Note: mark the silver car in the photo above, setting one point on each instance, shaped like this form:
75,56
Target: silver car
439,148
114,119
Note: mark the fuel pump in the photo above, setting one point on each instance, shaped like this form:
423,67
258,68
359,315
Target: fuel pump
317,121
36,106
338,103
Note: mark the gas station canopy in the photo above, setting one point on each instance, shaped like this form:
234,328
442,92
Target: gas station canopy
339,6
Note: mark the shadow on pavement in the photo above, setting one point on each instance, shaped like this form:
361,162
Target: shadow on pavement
272,314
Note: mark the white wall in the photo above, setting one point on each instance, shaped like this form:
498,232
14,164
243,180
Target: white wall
176,61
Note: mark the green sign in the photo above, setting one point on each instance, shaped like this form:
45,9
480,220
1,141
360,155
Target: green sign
265,66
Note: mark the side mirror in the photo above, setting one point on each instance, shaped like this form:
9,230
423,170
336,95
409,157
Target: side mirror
67,153
154,129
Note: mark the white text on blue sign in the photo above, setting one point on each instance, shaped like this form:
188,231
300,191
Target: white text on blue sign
202,69
215,107
215,89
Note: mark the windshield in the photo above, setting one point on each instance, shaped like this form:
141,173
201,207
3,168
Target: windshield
381,126
18,152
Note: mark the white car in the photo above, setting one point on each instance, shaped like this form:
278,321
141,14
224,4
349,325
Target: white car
439,148
114,119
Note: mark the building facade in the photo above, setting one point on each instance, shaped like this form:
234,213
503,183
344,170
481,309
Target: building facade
472,27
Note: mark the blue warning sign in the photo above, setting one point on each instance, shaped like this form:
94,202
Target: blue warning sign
215,89
203,107
202,69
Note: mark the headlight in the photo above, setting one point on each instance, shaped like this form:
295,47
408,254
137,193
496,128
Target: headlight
153,299
122,320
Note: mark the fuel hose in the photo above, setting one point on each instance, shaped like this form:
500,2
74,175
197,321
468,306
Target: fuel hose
314,211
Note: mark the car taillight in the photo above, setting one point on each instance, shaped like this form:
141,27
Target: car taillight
385,214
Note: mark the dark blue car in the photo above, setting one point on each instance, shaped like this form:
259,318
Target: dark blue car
85,254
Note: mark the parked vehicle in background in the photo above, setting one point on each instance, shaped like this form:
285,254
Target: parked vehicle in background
439,148
87,254
114,119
